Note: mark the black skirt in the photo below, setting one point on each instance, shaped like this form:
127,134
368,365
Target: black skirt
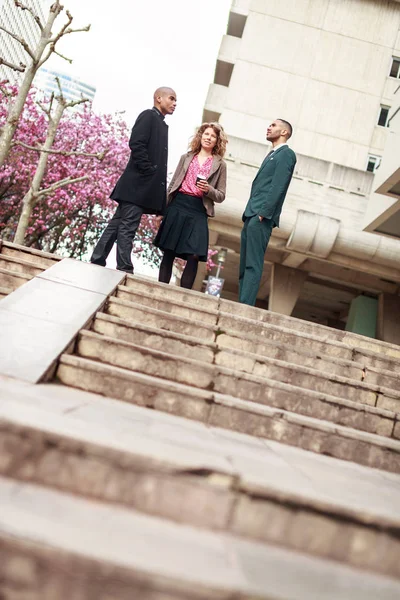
184,229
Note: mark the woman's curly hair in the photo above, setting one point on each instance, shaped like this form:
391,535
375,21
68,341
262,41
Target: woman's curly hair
222,140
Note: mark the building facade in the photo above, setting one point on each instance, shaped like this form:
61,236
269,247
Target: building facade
330,68
72,88
21,23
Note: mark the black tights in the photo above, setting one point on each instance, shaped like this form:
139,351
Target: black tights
189,272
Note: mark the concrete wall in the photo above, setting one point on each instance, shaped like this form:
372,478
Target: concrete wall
322,65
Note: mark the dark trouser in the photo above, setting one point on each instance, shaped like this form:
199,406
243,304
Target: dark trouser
254,241
122,229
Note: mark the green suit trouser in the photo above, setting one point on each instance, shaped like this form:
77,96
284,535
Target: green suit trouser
254,241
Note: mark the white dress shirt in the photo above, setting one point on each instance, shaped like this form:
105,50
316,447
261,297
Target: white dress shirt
279,146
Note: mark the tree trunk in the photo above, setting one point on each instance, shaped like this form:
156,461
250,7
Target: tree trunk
16,107
30,198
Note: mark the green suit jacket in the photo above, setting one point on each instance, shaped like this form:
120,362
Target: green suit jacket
270,185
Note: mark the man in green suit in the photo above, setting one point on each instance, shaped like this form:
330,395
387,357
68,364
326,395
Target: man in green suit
262,212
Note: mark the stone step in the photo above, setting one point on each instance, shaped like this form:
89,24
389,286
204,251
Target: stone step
161,291
191,347
271,335
37,257
254,339
19,265
336,376
239,311
207,315
227,412
351,341
57,546
314,329
138,313
223,482
278,385
4,292
158,339
12,280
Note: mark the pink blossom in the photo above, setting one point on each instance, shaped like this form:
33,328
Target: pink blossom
72,218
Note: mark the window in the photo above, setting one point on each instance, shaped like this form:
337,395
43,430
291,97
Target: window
383,116
236,24
395,70
373,163
223,72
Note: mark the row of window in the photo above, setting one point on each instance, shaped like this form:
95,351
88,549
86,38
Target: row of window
383,118
384,110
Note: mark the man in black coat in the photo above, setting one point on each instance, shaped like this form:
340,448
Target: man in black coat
141,189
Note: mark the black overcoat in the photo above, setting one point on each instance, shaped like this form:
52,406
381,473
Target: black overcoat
144,180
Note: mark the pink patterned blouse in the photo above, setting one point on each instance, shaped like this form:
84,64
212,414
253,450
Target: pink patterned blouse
189,182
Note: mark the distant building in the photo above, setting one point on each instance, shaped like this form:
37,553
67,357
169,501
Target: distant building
22,24
72,88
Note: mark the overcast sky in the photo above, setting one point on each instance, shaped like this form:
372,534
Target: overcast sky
134,46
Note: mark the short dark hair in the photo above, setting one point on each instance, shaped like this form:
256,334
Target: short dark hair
288,126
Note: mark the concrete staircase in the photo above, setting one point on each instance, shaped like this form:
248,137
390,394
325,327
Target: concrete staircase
283,379
18,264
190,447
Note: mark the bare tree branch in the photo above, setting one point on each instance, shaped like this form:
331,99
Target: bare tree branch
100,156
87,28
55,39
63,29
21,67
29,9
58,185
4,91
62,56
60,98
20,40
61,95
76,102
47,109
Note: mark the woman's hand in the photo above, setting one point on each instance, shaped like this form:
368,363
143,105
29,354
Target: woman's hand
203,186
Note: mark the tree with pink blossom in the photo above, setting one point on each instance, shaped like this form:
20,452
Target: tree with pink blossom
69,219
36,190
37,56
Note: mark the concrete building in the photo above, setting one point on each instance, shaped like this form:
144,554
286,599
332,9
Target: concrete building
331,68
72,88
22,24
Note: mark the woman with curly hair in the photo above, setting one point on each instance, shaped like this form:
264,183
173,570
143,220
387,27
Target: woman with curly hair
198,182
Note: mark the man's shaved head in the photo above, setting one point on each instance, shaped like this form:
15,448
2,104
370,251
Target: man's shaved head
163,91
287,126
165,100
